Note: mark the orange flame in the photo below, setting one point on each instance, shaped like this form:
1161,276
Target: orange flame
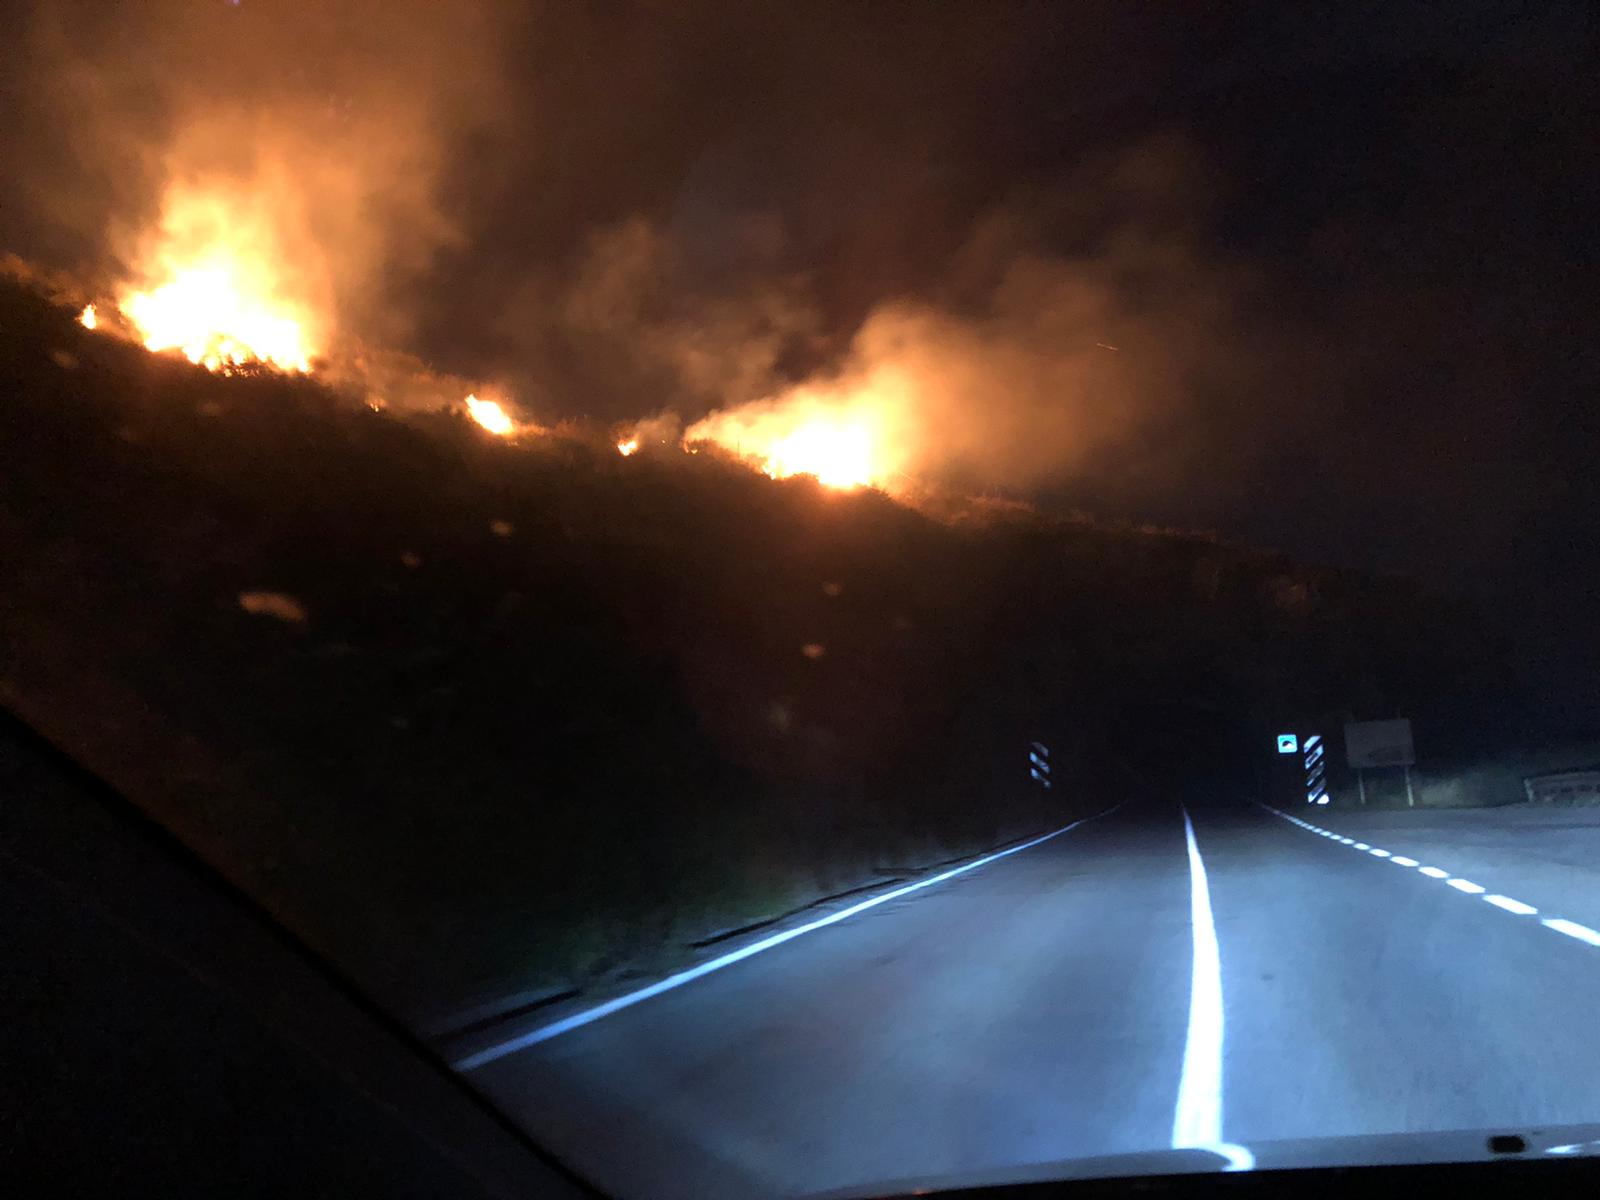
220,293
628,447
837,450
845,437
87,317
491,416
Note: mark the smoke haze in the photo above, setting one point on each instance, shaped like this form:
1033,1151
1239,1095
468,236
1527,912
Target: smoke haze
1318,283
322,130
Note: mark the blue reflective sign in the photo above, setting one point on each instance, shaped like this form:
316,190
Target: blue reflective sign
1288,743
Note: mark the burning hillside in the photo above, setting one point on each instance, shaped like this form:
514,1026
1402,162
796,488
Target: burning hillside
219,280
214,281
215,286
347,615
841,447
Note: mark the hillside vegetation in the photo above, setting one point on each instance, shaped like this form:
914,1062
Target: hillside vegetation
518,715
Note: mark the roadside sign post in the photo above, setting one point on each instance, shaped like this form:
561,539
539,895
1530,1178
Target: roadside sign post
1369,745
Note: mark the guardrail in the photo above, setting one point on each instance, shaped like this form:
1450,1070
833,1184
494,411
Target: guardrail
1563,787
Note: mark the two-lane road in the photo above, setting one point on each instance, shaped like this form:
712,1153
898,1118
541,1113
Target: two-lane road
1370,995
1047,1006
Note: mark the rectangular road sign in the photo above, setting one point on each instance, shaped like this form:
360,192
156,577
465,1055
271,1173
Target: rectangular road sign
1379,744
1288,743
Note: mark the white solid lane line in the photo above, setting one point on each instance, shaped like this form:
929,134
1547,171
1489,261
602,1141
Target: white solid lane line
1197,1120
579,1019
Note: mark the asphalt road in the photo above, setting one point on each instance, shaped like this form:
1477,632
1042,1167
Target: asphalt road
1062,1003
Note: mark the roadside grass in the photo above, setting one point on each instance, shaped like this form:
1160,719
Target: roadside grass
1488,784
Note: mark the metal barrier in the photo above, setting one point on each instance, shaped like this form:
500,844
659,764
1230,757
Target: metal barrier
1563,787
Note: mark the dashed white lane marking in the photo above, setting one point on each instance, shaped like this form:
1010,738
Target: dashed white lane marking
1511,906
577,1020
1572,929
1506,903
1197,1120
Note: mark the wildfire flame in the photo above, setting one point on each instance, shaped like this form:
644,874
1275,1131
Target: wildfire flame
838,451
491,416
87,317
207,314
220,295
843,438
628,447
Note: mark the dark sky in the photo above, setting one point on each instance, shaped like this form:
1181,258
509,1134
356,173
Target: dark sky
1345,251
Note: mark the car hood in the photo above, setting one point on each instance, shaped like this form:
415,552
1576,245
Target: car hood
1399,1149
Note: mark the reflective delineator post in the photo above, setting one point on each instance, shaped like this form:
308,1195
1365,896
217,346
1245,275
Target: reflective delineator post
1316,770
1039,763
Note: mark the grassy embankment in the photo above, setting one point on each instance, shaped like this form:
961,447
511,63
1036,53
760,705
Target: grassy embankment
552,713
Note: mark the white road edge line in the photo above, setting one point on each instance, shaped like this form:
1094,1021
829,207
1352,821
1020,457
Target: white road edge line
1197,1120
589,1015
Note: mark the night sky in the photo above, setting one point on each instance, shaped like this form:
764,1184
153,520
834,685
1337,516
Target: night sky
1345,250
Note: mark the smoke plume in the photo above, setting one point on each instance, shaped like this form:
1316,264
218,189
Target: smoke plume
1017,362
319,134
